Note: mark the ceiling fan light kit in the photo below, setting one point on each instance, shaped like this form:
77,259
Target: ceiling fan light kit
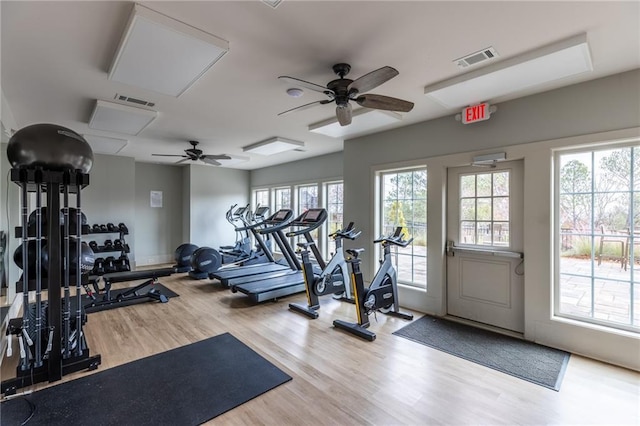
343,90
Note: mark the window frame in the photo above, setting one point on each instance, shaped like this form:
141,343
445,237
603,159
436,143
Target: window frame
380,225
593,234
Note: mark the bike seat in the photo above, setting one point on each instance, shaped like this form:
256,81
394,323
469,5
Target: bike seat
355,252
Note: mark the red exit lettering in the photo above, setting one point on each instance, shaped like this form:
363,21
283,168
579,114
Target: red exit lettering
475,113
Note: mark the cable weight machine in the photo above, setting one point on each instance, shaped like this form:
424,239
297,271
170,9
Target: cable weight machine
50,333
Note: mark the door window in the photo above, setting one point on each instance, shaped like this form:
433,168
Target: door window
484,208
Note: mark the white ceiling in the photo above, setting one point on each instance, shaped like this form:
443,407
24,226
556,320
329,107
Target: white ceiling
55,57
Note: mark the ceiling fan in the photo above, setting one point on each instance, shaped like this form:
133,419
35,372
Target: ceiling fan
195,154
343,90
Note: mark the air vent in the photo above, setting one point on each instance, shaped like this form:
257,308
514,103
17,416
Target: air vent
124,98
272,3
476,57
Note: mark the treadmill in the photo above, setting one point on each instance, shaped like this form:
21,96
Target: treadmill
293,282
232,275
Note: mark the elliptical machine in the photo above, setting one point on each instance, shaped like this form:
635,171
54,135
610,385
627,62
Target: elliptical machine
206,260
242,247
334,278
382,294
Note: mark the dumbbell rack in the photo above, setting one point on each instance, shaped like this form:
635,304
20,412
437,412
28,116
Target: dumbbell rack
125,250
50,363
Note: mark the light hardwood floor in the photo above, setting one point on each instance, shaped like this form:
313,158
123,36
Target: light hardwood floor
339,379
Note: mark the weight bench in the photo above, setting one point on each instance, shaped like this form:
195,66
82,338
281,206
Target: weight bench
128,296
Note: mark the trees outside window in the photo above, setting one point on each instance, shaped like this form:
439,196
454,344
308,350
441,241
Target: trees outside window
404,203
598,242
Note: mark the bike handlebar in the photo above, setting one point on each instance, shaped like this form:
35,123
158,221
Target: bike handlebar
395,238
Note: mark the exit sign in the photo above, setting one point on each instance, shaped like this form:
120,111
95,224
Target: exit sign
474,113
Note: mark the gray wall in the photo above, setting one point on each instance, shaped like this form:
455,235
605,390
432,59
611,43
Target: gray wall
601,111
309,170
605,104
211,192
110,197
158,230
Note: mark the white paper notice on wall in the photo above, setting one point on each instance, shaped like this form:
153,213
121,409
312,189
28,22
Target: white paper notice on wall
156,199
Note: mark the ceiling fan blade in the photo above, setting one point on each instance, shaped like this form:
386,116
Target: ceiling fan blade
183,160
215,157
344,114
373,79
305,106
304,83
209,161
169,155
384,102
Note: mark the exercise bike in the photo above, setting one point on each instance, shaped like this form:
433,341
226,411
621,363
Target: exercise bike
334,278
381,295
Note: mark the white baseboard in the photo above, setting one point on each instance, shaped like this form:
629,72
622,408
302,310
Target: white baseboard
159,259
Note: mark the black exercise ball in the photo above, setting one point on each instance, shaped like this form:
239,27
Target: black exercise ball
206,259
87,257
50,146
45,217
31,257
183,253
73,215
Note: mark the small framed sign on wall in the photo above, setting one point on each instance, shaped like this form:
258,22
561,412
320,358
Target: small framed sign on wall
156,199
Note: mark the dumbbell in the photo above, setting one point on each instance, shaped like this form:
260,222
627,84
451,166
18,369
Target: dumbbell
117,244
111,227
103,228
122,263
123,228
108,245
110,265
98,266
93,245
95,228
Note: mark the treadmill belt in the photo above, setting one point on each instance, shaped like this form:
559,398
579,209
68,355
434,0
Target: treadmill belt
255,287
242,271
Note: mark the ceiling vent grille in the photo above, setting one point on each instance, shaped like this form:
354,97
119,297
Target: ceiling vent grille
476,57
134,100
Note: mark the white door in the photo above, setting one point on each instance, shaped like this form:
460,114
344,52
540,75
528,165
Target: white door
485,268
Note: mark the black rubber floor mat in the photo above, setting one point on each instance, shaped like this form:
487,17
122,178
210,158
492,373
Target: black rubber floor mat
184,386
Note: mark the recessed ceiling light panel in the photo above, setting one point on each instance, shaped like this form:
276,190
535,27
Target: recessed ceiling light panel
105,145
363,120
162,54
112,117
553,62
273,146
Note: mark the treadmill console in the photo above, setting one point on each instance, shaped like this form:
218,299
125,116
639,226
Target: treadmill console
312,215
280,215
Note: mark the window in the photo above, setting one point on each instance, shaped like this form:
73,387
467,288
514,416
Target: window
484,208
404,203
334,206
598,236
261,198
282,198
307,199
